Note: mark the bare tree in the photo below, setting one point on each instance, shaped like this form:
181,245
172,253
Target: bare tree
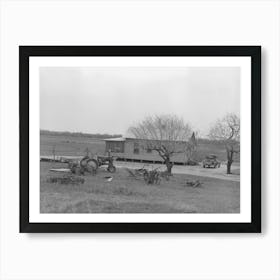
166,134
190,149
227,130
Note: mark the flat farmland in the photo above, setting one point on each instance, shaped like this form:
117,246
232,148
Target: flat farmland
125,194
67,145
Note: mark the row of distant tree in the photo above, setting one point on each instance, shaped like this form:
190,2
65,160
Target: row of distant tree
79,134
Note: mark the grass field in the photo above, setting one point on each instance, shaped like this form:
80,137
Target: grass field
128,195
67,145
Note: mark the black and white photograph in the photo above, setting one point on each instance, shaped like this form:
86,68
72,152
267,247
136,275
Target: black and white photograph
135,135
140,140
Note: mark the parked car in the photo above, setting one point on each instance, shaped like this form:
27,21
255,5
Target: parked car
211,161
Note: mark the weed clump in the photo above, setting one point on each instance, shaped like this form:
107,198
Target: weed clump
66,180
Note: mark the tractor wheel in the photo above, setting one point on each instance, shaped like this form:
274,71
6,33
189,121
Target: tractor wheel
111,169
84,161
92,166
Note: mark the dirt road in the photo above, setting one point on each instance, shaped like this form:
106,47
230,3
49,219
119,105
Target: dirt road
218,173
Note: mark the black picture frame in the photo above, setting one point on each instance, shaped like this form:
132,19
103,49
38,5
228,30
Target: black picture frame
25,52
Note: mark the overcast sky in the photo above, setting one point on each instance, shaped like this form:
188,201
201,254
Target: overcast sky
109,100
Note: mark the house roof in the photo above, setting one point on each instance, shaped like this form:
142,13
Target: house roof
118,139
123,139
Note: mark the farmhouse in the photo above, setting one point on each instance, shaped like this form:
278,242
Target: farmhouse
139,150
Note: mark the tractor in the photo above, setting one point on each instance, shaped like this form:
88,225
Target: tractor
92,164
87,164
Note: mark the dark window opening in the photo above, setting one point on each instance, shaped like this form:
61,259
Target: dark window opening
136,149
115,147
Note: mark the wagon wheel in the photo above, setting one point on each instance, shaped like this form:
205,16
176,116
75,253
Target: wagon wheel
111,168
146,177
92,166
157,178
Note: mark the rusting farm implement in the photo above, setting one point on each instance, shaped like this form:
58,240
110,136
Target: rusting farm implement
152,176
91,165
